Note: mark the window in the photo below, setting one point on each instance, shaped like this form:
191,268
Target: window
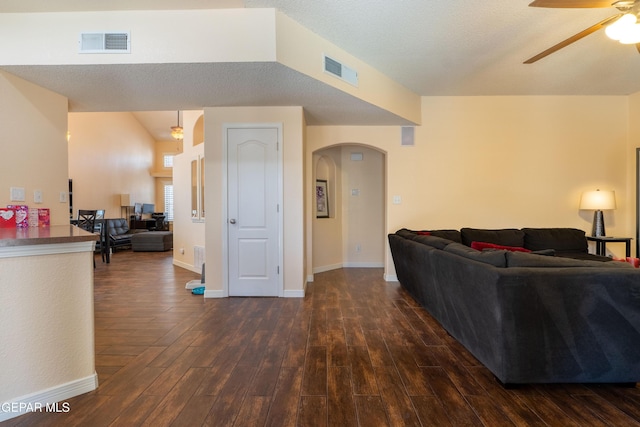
168,160
168,202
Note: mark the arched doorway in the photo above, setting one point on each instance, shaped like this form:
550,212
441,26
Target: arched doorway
353,232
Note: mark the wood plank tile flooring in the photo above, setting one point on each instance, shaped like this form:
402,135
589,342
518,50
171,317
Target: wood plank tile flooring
356,351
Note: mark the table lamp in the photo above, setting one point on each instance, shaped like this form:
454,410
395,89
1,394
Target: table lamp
598,201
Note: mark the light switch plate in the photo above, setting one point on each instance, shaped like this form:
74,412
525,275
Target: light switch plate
17,194
37,196
397,200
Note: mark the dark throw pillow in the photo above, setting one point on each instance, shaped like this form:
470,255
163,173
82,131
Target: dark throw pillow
505,236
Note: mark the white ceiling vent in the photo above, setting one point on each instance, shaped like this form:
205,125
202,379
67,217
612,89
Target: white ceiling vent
113,42
340,70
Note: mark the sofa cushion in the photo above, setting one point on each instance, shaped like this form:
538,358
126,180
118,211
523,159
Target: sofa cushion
406,233
521,259
485,245
436,242
560,239
493,257
505,236
453,235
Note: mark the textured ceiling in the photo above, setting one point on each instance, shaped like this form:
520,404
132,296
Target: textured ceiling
434,48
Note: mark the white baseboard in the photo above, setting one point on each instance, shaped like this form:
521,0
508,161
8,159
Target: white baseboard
310,278
390,278
324,268
295,294
363,265
214,293
186,266
46,400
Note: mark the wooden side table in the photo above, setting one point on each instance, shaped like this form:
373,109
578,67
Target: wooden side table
601,243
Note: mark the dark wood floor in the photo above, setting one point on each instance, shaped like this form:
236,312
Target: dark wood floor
356,351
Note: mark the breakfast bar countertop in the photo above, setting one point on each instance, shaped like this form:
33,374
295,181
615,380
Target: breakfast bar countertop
44,235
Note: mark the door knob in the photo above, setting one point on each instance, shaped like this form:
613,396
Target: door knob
232,221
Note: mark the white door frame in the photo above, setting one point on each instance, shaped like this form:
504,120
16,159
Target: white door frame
225,200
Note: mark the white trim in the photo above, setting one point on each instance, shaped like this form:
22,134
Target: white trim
324,268
390,278
186,266
51,395
297,293
47,249
363,265
214,293
310,278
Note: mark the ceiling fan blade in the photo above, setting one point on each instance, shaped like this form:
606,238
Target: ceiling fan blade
574,38
571,3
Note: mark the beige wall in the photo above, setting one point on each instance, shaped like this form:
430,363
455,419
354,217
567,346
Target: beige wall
187,232
110,154
52,38
33,145
163,175
500,162
633,186
293,148
247,35
327,242
363,219
47,321
302,50
352,235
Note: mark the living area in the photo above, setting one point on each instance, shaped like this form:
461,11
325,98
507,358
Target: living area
122,166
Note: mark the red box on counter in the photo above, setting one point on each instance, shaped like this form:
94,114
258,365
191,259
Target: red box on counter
7,218
44,217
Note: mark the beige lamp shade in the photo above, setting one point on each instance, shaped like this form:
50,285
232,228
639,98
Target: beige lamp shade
598,200
125,200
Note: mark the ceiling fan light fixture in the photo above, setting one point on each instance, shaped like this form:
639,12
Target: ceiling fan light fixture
176,131
621,27
632,35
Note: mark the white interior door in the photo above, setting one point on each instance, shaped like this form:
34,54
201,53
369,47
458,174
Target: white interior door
253,211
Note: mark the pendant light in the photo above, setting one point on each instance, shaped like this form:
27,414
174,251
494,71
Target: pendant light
177,131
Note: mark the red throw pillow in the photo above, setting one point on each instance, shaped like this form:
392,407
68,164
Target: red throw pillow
485,245
633,261
423,233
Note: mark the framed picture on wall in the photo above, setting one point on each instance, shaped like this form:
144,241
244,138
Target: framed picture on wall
322,199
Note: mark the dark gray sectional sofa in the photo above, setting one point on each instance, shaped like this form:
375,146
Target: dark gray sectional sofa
556,315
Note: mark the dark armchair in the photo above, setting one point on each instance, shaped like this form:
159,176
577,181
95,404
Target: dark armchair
116,235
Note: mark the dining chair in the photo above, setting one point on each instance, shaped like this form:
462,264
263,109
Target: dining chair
87,222
98,230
